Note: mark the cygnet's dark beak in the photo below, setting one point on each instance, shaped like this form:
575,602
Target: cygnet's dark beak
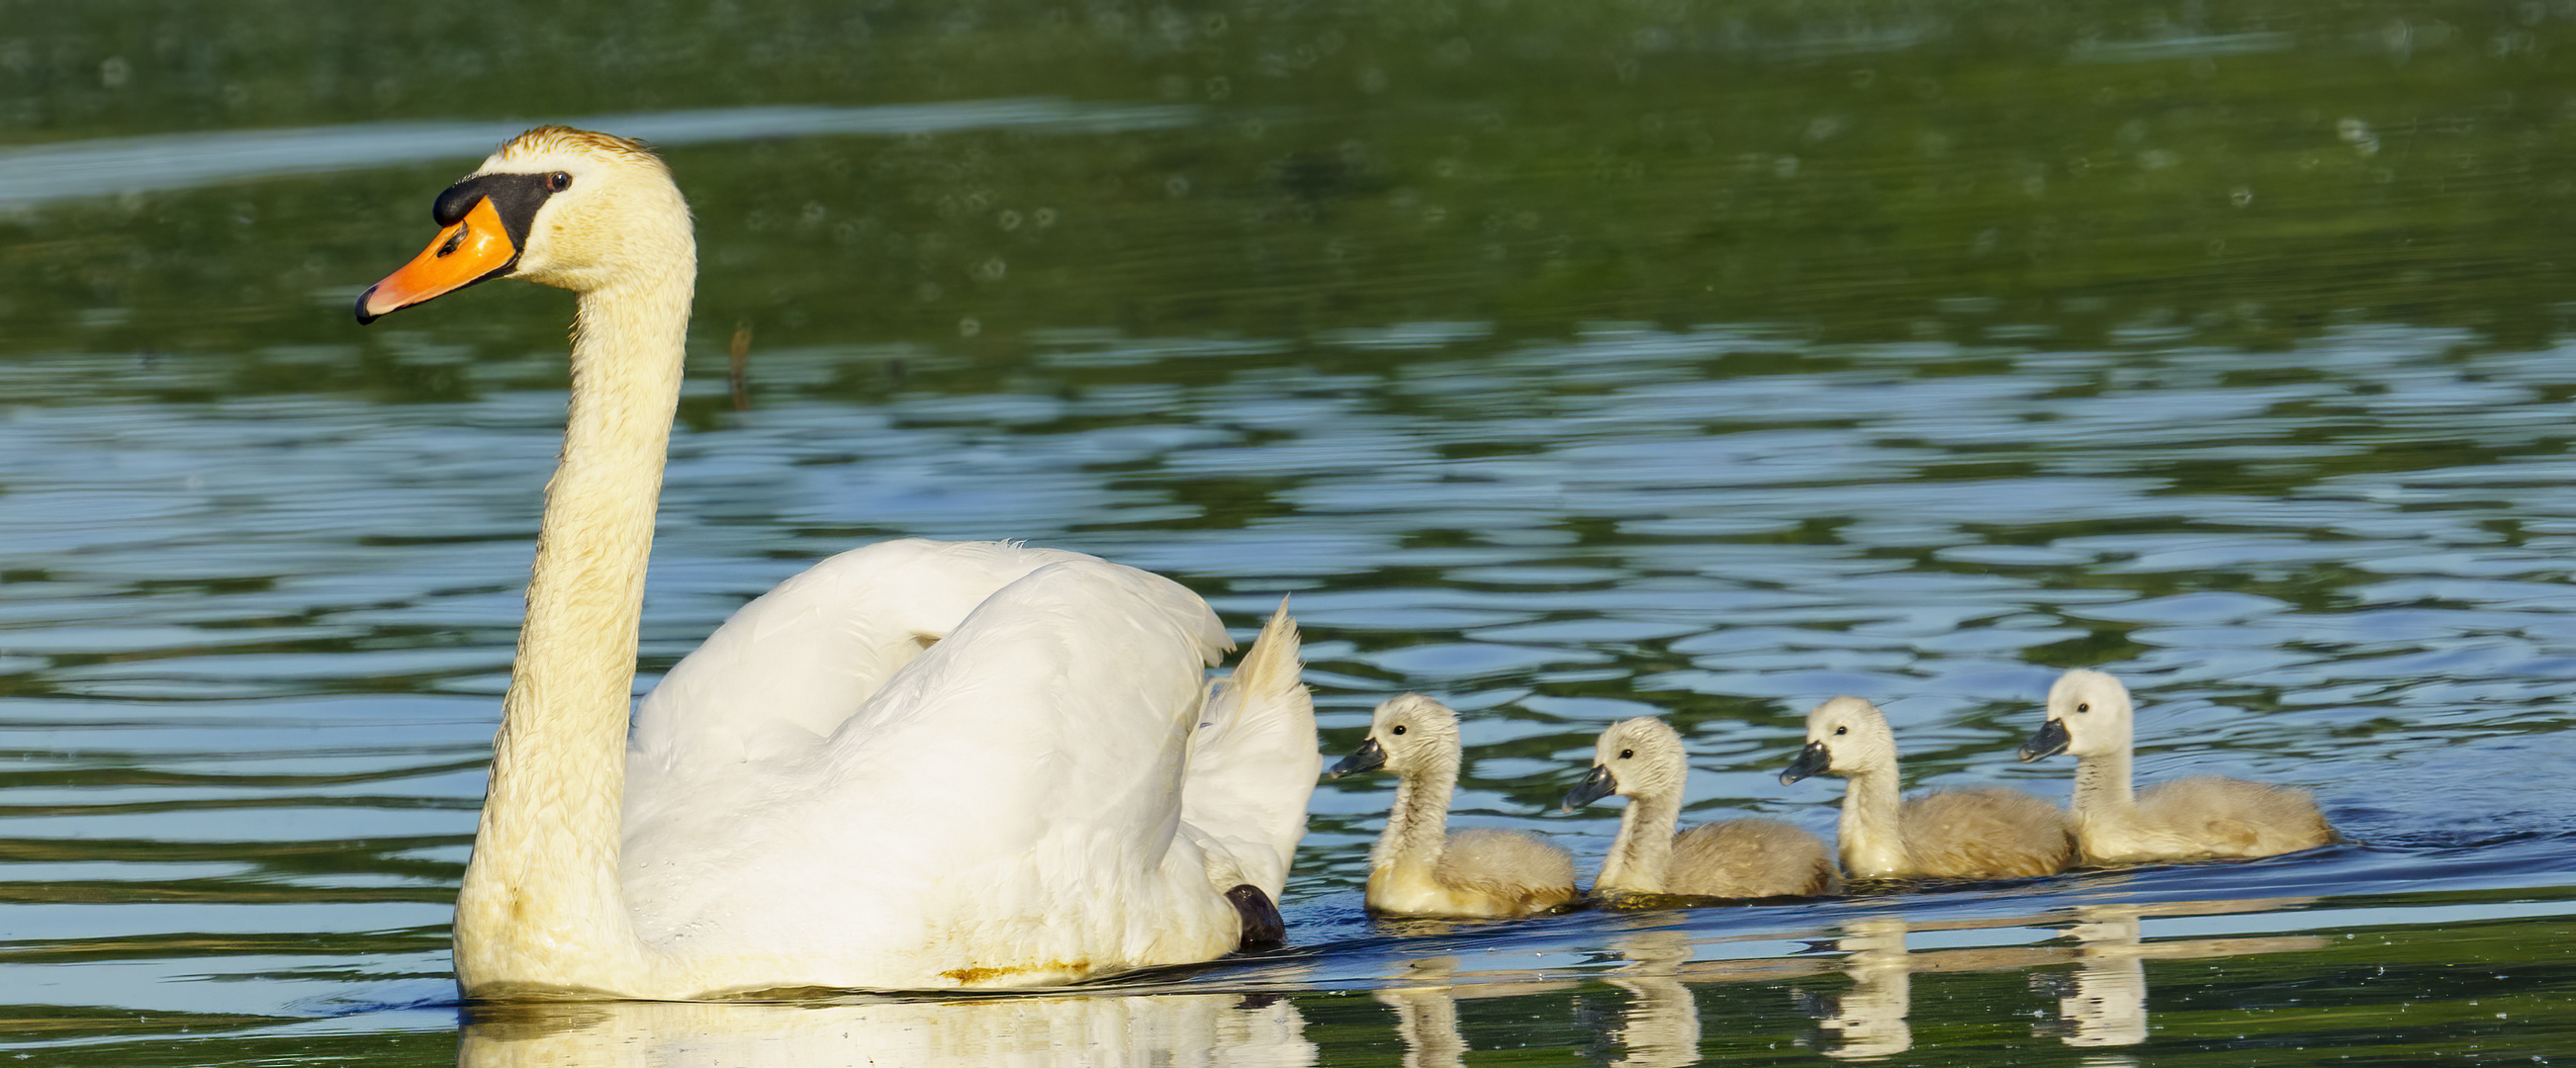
1368,757
2050,741
1812,760
1594,787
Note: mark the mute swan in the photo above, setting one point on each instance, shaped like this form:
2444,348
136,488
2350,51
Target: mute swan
2206,816
917,765
1420,869
1642,759
1980,832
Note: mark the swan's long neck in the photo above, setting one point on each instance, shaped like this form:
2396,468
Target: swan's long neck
1417,829
1642,857
541,905
2102,785
1873,840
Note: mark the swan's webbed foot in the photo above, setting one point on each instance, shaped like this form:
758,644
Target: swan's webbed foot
1261,923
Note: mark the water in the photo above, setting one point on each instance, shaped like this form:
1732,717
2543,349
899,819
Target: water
1568,363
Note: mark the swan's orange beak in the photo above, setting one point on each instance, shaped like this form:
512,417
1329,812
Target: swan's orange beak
476,248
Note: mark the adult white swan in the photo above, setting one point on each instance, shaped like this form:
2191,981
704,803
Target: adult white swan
917,765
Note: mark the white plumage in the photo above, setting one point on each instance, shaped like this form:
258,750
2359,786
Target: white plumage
994,759
916,765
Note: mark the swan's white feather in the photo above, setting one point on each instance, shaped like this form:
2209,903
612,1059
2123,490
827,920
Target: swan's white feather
915,765
791,665
1015,792
1253,761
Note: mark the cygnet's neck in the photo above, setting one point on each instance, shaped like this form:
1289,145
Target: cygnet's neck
2102,788
1873,840
1417,828
1641,858
541,905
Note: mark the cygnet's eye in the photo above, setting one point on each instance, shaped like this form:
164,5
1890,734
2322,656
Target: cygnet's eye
1626,753
2082,707
558,182
1397,729
1842,730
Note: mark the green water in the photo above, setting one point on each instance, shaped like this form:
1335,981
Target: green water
1569,361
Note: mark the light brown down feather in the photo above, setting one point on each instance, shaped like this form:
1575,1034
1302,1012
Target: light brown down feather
2227,817
1985,832
1507,865
1747,858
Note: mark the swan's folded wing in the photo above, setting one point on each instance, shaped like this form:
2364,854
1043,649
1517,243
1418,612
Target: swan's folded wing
1066,696
792,664
1016,788
740,725
1253,759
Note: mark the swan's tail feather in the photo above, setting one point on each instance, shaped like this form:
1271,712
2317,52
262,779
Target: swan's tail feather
1265,685
1253,760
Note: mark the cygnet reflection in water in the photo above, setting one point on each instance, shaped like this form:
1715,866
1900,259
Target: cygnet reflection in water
1657,1028
1236,1030
1658,966
1426,1021
1867,1020
2103,1002
1426,1009
1660,1027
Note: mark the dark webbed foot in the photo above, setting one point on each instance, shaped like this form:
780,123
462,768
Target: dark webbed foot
1261,923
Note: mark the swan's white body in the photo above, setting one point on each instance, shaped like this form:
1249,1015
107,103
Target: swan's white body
978,740
916,765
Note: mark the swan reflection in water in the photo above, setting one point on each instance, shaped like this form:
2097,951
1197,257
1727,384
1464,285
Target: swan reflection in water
1217,1030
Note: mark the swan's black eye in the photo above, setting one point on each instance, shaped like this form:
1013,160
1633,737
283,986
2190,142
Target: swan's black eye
2083,707
1398,729
558,182
1842,730
1626,753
